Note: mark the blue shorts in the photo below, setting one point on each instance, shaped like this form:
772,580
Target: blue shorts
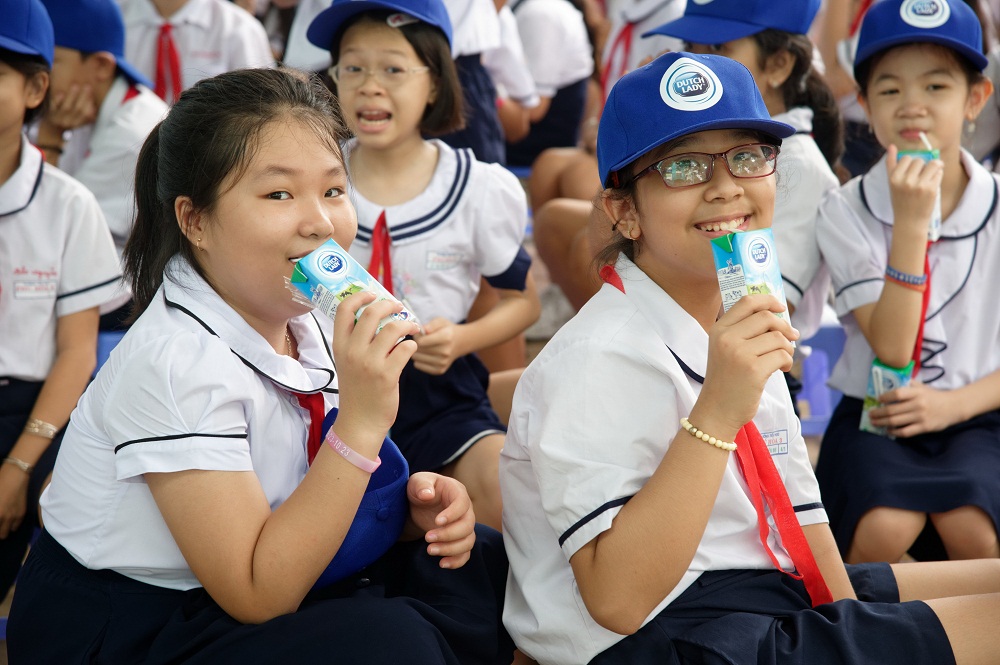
763,617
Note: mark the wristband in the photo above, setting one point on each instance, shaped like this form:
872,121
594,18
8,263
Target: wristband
905,277
711,440
19,463
350,454
41,428
920,288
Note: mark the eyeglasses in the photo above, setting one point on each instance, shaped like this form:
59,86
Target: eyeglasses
352,76
688,169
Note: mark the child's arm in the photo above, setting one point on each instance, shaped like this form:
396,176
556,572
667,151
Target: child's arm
629,569
76,357
831,565
919,408
444,341
891,323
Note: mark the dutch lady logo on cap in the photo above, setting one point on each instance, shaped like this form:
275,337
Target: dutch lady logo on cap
925,13
688,85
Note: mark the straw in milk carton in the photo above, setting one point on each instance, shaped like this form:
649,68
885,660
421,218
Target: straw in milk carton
934,230
327,276
882,379
746,263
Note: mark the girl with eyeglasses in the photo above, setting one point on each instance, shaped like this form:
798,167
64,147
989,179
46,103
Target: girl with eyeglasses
431,221
659,503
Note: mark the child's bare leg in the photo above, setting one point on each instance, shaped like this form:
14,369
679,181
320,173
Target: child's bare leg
479,470
971,624
580,179
885,534
561,238
967,533
543,183
501,391
942,579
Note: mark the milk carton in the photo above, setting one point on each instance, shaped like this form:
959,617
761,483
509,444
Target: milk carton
882,379
328,275
746,263
934,230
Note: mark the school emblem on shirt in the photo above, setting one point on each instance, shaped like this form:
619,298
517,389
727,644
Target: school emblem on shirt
688,85
777,442
925,13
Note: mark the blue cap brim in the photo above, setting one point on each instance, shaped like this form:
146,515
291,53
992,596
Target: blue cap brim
978,60
705,29
22,48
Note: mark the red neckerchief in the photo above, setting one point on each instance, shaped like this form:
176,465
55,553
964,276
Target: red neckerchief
918,347
380,266
623,45
765,486
168,66
314,404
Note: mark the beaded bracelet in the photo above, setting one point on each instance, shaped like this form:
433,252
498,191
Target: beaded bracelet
19,463
41,428
920,288
350,454
698,434
905,277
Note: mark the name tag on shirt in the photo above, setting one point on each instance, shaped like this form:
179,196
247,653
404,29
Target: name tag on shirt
35,289
777,442
443,260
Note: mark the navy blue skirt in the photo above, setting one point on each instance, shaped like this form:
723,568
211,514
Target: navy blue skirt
763,617
402,609
929,473
482,132
440,417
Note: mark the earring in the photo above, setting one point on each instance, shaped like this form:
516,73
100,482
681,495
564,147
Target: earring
631,234
970,127
198,244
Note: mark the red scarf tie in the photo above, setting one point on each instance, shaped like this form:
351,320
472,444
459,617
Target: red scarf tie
168,66
380,266
621,48
315,405
918,347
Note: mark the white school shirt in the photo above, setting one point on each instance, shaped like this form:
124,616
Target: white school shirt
625,47
593,416
190,386
803,177
469,222
103,157
300,53
555,42
507,64
212,37
474,26
962,330
56,258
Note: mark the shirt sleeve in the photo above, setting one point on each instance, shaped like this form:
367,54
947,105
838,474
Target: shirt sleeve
248,46
178,403
502,219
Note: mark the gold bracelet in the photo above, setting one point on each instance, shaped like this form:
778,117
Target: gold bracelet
41,428
698,434
19,463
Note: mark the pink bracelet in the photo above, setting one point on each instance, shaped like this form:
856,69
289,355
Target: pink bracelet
350,454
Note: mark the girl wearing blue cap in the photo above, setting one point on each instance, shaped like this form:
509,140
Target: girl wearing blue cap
911,290
195,514
57,266
659,504
431,221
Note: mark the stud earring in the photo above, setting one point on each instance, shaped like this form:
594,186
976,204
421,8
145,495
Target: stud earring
970,127
631,234
198,244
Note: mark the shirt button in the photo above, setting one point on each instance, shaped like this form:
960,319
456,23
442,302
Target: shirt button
382,514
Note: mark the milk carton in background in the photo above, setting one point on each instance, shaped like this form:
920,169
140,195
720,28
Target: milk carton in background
747,263
882,379
327,276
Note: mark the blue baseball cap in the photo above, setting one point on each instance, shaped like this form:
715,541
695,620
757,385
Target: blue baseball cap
90,26
719,21
27,29
328,23
893,22
677,94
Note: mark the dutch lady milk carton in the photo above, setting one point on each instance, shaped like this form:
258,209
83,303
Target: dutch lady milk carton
881,379
746,263
328,275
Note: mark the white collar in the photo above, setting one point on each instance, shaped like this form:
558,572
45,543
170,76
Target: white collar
799,117
197,12
19,190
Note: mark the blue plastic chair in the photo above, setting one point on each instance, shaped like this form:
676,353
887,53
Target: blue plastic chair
827,345
106,342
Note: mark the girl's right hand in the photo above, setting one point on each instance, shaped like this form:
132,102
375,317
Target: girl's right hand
746,346
369,364
913,187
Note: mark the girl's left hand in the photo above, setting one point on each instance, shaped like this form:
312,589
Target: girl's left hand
437,348
13,498
441,512
915,409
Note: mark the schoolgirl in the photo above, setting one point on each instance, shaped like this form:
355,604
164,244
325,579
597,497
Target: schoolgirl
431,221
108,108
903,296
633,539
194,505
57,265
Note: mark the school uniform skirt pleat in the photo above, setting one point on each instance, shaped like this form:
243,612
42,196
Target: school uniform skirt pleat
402,609
928,473
763,617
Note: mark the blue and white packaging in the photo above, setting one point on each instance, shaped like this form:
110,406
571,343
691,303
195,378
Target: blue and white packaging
746,264
934,230
882,379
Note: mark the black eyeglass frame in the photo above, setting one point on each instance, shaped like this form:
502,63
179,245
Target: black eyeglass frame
711,165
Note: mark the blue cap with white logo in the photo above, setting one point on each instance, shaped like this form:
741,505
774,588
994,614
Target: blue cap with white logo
719,21
894,22
27,29
331,20
105,30
678,93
